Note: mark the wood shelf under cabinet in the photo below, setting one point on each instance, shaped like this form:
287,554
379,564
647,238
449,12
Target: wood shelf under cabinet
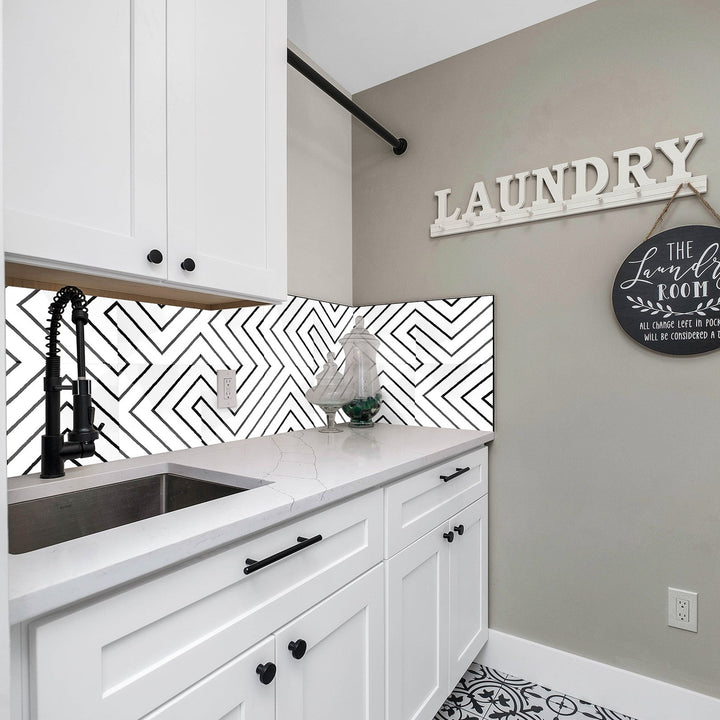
43,278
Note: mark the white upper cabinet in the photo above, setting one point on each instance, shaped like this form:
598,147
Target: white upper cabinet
141,125
226,166
85,162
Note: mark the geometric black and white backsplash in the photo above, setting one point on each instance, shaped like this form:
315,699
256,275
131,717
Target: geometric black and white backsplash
153,369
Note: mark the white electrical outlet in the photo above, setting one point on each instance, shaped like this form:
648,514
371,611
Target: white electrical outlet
682,609
226,390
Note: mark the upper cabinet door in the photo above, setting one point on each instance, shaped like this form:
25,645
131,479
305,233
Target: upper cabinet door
226,130
84,134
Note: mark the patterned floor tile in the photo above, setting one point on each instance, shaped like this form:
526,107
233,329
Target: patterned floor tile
486,694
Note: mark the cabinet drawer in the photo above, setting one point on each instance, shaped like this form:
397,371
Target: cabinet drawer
142,646
417,504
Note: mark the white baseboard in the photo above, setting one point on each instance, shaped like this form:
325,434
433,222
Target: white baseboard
625,692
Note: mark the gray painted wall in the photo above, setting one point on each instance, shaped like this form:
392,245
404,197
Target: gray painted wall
319,193
605,487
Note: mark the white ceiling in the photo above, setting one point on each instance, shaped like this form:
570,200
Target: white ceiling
362,43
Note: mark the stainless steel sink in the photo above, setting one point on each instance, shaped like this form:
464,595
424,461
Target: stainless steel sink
35,524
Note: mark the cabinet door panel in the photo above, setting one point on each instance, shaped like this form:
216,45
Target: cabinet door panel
226,140
468,619
234,692
416,629
342,672
84,134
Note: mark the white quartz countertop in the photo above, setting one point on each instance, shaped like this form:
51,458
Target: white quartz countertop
291,474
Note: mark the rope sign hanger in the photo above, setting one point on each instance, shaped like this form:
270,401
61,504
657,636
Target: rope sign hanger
669,202
666,294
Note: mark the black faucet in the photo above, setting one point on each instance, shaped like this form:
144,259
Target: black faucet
81,439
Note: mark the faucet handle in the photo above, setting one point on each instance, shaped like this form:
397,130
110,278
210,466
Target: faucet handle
91,413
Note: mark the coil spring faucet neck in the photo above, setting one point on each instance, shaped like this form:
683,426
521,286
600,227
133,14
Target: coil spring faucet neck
81,439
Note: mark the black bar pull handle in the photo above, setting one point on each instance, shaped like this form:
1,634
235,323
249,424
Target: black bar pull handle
302,543
458,471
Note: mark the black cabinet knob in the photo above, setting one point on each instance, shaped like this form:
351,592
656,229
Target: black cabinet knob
188,264
155,257
449,536
459,529
266,672
297,648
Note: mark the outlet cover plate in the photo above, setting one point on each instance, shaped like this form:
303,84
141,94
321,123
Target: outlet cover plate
682,603
226,388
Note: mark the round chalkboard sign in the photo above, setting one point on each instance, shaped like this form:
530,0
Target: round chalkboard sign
667,292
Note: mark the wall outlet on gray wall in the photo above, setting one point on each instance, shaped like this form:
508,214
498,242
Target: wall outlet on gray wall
682,609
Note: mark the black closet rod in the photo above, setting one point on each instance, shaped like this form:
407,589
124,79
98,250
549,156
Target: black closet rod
399,145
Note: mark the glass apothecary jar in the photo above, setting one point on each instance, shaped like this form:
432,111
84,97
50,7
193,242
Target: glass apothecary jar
330,393
360,347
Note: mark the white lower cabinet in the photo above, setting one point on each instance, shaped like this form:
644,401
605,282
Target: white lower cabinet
436,613
331,660
127,654
309,620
